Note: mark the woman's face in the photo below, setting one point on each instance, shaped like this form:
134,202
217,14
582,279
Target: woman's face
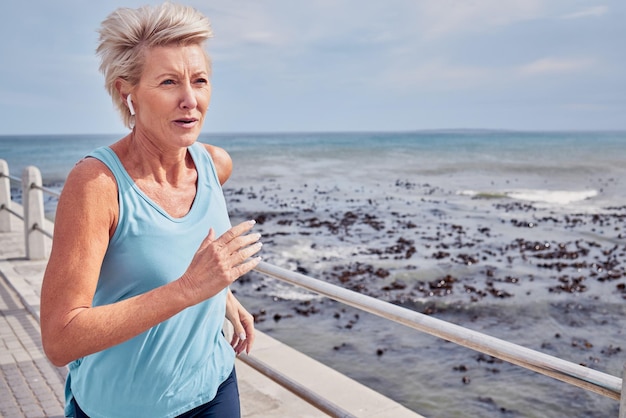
172,96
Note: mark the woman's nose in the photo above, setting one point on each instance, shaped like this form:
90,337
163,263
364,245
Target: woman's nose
188,98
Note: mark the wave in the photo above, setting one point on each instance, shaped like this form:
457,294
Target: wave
561,197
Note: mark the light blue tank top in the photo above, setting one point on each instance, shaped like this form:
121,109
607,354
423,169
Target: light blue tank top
178,364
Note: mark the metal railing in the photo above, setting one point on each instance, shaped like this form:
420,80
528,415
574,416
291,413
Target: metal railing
32,209
5,197
568,372
574,374
296,388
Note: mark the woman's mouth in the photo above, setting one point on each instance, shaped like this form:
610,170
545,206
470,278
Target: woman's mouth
186,122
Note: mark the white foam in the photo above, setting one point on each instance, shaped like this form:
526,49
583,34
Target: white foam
561,197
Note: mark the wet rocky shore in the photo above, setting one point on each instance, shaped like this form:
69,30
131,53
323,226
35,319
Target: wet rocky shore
497,265
568,253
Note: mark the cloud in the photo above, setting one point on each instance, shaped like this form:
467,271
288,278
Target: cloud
445,17
590,12
287,25
438,74
552,65
276,56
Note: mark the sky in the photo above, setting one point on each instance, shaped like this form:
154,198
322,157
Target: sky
340,65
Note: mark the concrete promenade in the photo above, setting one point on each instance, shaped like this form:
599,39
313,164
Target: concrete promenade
30,386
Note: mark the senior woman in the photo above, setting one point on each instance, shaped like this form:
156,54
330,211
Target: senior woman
137,286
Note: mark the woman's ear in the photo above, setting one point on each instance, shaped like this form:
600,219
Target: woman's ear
121,86
123,89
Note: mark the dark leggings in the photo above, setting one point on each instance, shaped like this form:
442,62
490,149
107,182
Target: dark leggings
224,405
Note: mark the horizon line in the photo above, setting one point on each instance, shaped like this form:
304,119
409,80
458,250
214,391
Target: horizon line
327,132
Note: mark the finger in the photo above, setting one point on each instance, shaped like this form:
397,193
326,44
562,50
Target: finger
245,347
238,342
239,346
247,252
210,237
236,231
241,269
234,340
239,333
241,242
249,339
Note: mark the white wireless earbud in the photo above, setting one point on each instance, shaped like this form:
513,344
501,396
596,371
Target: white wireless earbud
130,105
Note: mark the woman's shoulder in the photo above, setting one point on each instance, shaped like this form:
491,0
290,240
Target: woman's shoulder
221,159
91,171
88,200
90,180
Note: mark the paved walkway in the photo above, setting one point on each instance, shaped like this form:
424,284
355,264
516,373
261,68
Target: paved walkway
30,386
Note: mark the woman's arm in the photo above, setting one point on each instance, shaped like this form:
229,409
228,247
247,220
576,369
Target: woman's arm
86,218
243,324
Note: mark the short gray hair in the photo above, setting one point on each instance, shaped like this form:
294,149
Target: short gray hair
127,33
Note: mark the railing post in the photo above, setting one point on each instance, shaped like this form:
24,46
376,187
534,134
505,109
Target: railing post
32,199
622,399
6,223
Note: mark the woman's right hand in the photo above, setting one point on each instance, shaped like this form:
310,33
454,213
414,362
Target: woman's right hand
219,262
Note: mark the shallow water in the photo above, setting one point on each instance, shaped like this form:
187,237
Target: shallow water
517,235
542,249
423,372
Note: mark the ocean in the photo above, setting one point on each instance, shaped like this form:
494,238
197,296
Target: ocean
519,235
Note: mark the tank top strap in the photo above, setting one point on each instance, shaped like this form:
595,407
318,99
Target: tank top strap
107,156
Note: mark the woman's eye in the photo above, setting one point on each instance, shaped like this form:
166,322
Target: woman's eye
202,81
167,82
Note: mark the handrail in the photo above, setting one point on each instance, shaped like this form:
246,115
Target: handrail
32,185
5,197
32,209
574,374
10,177
11,211
36,227
296,388
45,190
